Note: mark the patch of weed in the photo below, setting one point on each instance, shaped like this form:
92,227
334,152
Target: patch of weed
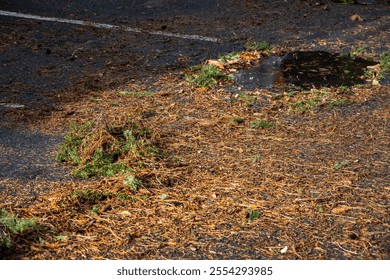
320,208
358,51
342,164
12,225
338,102
72,141
262,124
60,237
248,99
256,159
229,57
253,215
258,46
137,94
95,210
305,105
207,76
94,99
89,196
237,120
123,196
384,61
131,182
102,150
351,2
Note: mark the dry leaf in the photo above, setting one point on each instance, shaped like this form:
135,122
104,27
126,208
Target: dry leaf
125,213
356,17
340,210
215,63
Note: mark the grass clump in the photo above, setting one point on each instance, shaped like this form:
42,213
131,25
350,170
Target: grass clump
11,225
89,196
136,94
131,182
305,105
258,46
384,61
342,164
237,120
253,215
262,124
338,102
105,150
207,76
234,56
248,99
351,2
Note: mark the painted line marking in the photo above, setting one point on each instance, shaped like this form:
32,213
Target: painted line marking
108,26
11,105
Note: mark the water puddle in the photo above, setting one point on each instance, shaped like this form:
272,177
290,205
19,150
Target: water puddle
305,69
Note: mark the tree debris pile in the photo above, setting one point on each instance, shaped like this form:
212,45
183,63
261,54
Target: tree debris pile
251,175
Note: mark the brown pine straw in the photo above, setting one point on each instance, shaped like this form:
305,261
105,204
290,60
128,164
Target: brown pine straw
196,197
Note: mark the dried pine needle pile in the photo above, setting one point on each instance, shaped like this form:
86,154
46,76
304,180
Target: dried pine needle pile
220,175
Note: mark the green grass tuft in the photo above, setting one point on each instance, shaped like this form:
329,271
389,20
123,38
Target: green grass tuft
101,151
253,215
262,124
207,76
258,46
11,225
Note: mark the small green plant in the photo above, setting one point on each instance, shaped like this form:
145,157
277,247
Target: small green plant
131,182
207,76
384,61
305,105
342,164
262,124
229,57
292,93
248,99
101,150
137,94
95,210
237,120
258,46
72,141
123,196
320,208
338,102
12,225
60,237
352,2
253,215
358,51
256,159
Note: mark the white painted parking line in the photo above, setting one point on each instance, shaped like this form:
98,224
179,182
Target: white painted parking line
12,105
108,26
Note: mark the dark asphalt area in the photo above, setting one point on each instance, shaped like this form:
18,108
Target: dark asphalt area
45,64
